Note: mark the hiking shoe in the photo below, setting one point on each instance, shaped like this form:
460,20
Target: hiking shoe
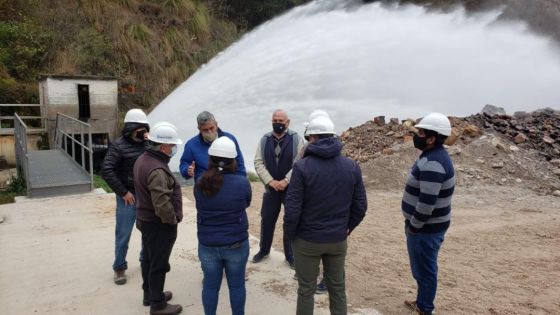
168,296
259,257
169,309
321,287
412,305
119,277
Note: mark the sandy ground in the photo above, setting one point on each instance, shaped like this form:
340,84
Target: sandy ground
501,255
56,257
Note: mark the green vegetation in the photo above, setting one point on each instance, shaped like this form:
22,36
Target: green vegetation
99,182
253,177
151,46
15,188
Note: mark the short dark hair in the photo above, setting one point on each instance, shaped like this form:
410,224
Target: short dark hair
440,139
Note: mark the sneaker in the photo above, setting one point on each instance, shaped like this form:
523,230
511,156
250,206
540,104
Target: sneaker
168,296
259,257
321,287
119,277
169,309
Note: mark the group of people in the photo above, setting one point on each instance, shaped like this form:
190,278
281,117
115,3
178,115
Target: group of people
322,192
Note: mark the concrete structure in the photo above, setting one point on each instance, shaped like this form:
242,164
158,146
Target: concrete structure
92,99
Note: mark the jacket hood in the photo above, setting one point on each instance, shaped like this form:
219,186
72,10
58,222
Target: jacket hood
129,127
325,148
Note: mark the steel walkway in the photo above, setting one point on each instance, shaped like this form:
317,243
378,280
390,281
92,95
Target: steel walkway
65,170
54,173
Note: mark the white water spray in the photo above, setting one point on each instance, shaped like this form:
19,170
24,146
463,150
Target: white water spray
360,61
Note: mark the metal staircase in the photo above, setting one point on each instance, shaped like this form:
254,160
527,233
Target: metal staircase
65,170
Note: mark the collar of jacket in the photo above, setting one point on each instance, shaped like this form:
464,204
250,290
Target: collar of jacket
159,155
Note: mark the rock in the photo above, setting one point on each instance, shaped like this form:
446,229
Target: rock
394,121
452,139
1,219
556,193
455,150
518,180
388,151
520,138
408,123
390,133
379,120
520,115
513,148
407,138
498,144
498,165
555,162
491,110
480,161
503,180
556,171
471,131
548,140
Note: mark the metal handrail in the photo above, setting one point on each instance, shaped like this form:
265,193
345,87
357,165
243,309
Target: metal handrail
66,129
22,160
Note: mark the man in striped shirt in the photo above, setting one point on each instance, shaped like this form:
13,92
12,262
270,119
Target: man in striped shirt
426,206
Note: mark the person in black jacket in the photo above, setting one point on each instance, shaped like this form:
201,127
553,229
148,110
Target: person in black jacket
117,172
325,202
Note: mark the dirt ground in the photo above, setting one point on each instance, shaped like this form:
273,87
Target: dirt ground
500,256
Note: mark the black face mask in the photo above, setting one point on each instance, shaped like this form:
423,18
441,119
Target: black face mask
140,135
278,128
420,142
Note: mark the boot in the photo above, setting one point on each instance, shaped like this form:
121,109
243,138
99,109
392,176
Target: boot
119,277
146,302
169,309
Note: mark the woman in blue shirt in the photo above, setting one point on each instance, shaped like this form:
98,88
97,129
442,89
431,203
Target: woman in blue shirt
222,198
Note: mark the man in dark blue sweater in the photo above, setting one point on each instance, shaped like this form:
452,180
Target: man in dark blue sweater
426,206
326,200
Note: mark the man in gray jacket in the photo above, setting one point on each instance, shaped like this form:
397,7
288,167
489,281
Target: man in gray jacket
274,158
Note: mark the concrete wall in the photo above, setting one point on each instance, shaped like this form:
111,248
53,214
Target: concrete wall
60,95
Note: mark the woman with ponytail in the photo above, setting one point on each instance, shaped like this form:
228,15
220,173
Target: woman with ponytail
222,198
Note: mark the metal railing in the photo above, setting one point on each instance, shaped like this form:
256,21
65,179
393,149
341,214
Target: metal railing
20,141
66,132
10,118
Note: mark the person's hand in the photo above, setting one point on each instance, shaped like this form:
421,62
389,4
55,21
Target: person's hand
274,184
129,199
190,170
282,185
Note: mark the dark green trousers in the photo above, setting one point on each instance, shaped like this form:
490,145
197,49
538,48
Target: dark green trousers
307,257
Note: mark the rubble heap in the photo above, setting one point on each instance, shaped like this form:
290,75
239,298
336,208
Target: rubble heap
539,130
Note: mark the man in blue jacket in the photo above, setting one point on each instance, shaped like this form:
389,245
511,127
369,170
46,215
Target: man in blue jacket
194,160
426,207
325,202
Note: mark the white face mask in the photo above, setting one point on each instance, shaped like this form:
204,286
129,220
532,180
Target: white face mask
173,151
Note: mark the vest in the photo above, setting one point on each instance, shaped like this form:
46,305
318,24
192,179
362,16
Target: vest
146,163
288,153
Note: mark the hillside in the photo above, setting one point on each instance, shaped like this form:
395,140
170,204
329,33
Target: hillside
150,46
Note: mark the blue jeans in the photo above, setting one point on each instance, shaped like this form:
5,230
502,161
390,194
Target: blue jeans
423,249
213,261
125,217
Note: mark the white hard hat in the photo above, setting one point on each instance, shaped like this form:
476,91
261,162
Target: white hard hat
223,147
164,132
436,122
320,126
316,113
136,115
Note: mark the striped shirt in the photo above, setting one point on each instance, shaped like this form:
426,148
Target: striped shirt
426,203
